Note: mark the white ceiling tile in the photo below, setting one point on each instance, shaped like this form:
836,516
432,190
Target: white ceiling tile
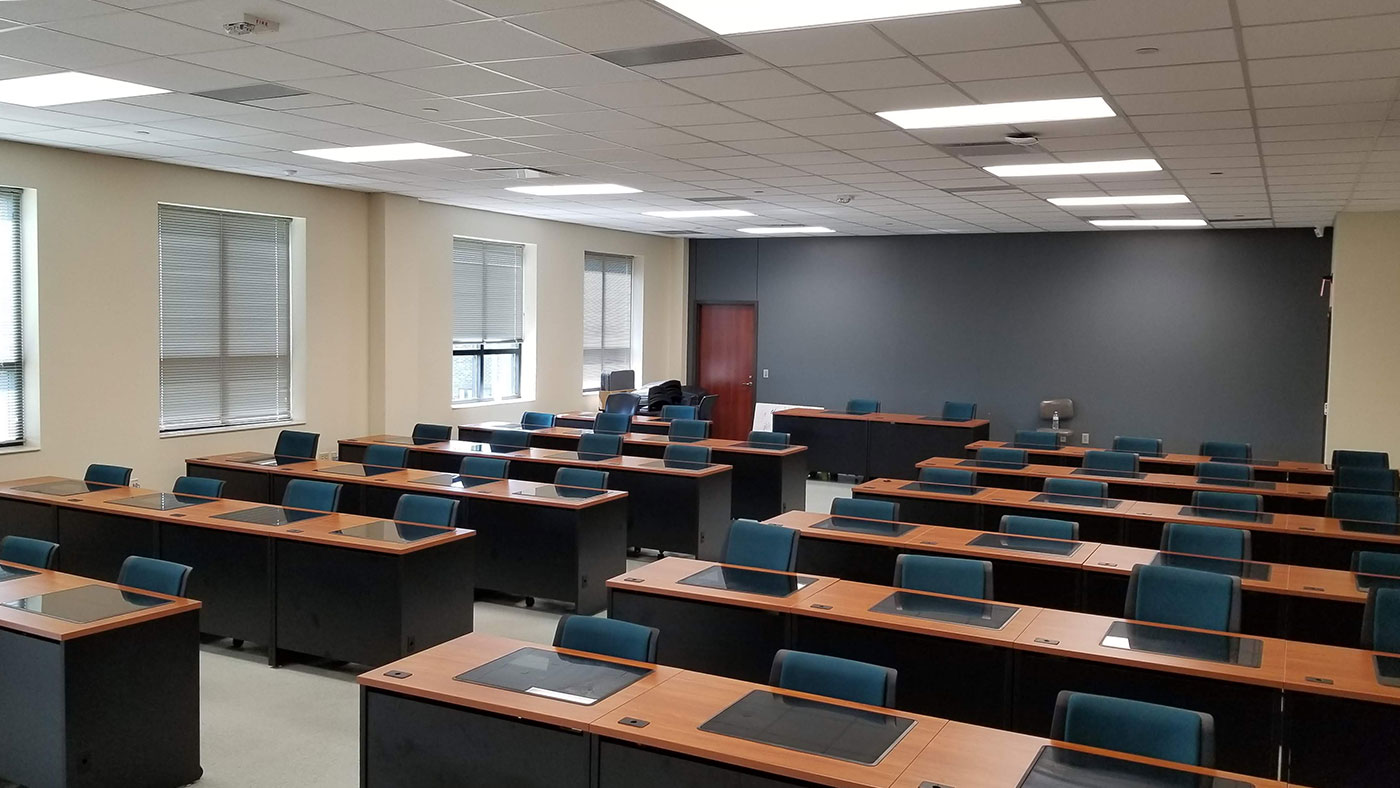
1261,12
690,114
116,111
534,102
425,131
1321,131
368,52
620,25
441,110
1235,119
1023,61
1317,38
565,71
1202,101
62,50
139,31
1325,93
724,132
834,124
597,120
905,98
351,115
726,64
769,83
817,45
35,12
476,42
263,63
1203,137
359,88
1085,19
295,23
778,145
1170,79
170,74
507,127
1324,68
989,29
463,80
894,73
1174,49
809,106
380,15
189,105
11,68
650,93
876,139
1054,86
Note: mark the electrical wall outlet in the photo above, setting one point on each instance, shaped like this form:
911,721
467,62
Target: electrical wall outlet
325,455
335,456
1084,438
765,374
135,482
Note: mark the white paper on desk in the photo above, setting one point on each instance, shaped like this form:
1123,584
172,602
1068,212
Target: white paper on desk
763,414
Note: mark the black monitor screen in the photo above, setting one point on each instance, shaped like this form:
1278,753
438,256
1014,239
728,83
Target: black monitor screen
1209,646
1076,500
811,726
1227,514
947,609
549,674
937,487
389,531
86,604
748,581
857,526
14,573
162,502
66,487
269,515
1104,472
1388,670
1247,570
1056,767
1025,544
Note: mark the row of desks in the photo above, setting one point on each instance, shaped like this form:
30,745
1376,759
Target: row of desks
1280,538
99,684
420,726
1295,471
1294,602
337,586
875,444
1001,664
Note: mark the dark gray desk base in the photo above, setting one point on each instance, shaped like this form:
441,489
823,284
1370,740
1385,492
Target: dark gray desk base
896,448
253,484
833,445
725,640
626,765
1336,741
648,427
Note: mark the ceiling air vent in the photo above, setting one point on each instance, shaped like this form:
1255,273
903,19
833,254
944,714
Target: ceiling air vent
712,200
518,172
669,53
247,93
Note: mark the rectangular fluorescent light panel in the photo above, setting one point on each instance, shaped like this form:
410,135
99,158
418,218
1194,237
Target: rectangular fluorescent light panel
711,213
1074,168
1008,114
69,87
784,230
405,151
747,16
569,189
1149,223
1142,199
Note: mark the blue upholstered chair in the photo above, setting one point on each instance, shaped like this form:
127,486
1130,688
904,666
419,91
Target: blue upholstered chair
761,546
1036,439
30,552
382,455
959,411
153,574
679,452
1366,480
1081,488
612,423
1134,727
1224,471
1232,543
1227,450
598,444
833,677
108,474
307,494
1115,461
865,509
1183,598
581,477
862,406
673,412
431,433
1345,458
1043,527
1370,562
770,438
688,429
510,439
1363,506
426,510
623,402
291,443
484,467
1227,501
956,479
536,420
1380,623
1151,447
939,574
199,485
997,454
609,637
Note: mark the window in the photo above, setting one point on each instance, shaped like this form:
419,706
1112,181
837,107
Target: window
607,316
11,321
225,319
487,319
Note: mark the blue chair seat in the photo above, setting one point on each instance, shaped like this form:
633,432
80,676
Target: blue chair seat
1345,458
612,423
594,443
1232,543
689,429
292,443
1036,439
958,479
1227,501
307,494
1224,471
484,467
959,411
1226,450
581,477
770,438
673,412
862,406
1363,507
153,574
199,485
426,510
383,455
108,474
1151,447
679,452
510,439
1117,461
1368,480
536,420
431,433
998,454
1080,488
865,509
1380,623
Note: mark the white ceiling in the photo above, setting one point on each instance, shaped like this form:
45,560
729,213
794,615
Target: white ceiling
1282,110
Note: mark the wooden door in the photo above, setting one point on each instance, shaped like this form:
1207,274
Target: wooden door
728,353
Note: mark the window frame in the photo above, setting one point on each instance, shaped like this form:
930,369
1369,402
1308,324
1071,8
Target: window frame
633,346
26,393
480,349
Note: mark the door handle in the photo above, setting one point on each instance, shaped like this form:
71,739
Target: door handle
750,383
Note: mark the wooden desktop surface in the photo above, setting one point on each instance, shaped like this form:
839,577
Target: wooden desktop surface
851,602
635,438
885,418
46,582
1287,466
663,577
559,457
1351,671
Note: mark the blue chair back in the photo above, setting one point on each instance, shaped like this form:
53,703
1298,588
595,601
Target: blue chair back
1236,502
108,474
1002,455
1232,543
431,433
510,439
691,429
761,546
1231,471
679,452
1380,623
609,637
30,552
581,477
485,467
533,418
382,455
1036,439
959,411
623,402
938,574
1134,727
1363,506
426,510
1370,562
1346,458
673,412
199,485
1129,443
153,574
612,423
770,438
952,477
865,509
1044,527
595,443
291,443
1183,598
833,677
1227,450
863,406
1083,488
1354,478
307,494
1118,461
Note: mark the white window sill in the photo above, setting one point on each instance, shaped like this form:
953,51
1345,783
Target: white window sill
239,428
18,449
490,402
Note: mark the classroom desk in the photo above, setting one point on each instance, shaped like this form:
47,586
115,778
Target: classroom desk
875,444
298,587
1295,471
768,479
678,507
583,420
114,701
1340,720
1283,497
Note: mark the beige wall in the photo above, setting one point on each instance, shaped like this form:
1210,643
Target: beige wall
1365,363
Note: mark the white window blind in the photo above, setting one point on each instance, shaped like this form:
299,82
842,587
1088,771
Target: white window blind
11,321
607,316
225,319
488,316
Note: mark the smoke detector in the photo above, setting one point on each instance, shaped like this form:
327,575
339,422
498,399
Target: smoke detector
845,199
251,24
1022,140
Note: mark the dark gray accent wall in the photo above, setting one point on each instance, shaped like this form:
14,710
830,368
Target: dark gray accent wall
1182,335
